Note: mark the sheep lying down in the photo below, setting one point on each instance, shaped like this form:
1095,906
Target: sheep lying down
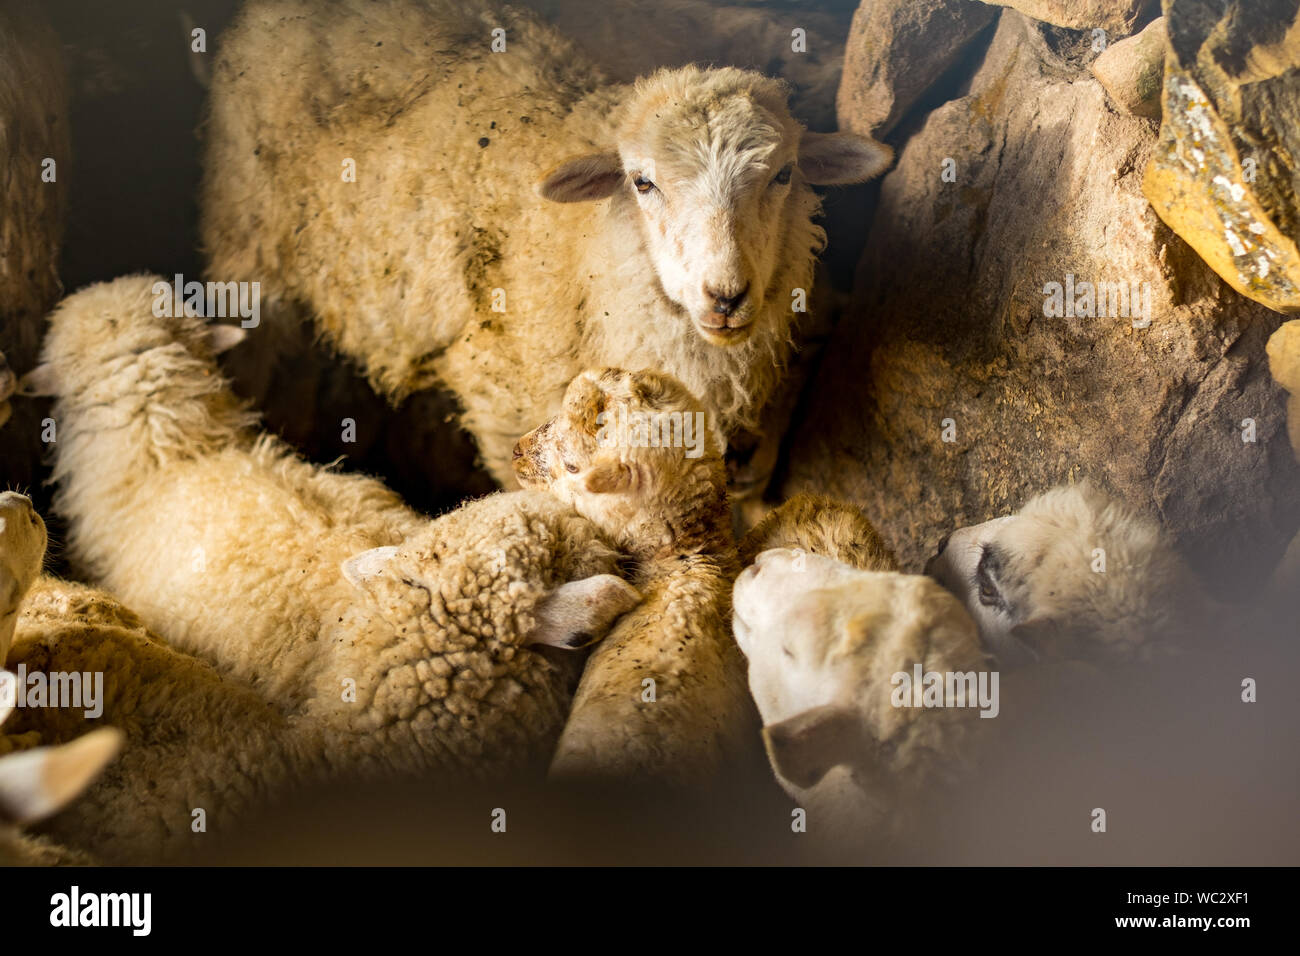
825,641
663,697
411,644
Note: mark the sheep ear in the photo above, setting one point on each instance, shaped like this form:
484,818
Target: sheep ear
37,783
831,159
804,748
583,178
364,566
39,382
610,476
223,338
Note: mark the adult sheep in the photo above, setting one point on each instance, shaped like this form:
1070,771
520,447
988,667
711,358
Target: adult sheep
378,164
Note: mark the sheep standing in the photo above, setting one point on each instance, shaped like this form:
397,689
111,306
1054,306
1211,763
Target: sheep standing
663,696
389,187
824,640
404,639
34,144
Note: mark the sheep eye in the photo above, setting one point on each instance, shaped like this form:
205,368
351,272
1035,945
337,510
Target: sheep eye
570,468
642,184
783,176
988,594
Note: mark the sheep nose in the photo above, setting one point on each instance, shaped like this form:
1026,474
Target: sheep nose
726,304
518,452
943,545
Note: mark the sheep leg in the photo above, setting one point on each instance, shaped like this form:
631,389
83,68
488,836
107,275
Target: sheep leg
581,612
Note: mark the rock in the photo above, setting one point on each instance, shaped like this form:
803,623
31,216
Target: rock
33,130
1284,363
948,333
1117,17
1223,176
896,50
1132,70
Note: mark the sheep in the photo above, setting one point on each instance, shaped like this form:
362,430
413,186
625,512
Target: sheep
34,141
39,782
679,233
662,698
824,640
613,35
405,640
22,549
1073,575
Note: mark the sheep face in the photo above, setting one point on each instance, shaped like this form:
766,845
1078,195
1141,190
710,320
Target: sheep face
22,549
715,171
823,640
620,442
1073,575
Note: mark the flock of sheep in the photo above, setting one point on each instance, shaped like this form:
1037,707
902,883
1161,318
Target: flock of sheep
453,196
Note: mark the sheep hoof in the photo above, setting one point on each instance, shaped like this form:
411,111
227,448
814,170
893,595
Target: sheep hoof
581,612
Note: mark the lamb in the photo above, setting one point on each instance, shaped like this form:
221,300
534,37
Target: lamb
681,231
39,782
34,142
663,697
404,640
1073,575
824,640
200,741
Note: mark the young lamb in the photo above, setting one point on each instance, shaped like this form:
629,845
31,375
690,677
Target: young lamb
663,696
22,549
37,783
376,162
1074,575
824,640
404,639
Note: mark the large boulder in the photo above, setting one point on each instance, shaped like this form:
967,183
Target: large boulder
1117,17
978,367
1225,172
895,51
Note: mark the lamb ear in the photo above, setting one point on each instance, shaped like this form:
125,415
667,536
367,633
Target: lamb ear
39,382
223,338
804,748
831,159
610,476
583,178
37,783
360,568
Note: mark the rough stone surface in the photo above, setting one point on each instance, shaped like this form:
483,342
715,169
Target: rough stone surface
33,128
948,323
1132,70
1117,17
896,49
1225,173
